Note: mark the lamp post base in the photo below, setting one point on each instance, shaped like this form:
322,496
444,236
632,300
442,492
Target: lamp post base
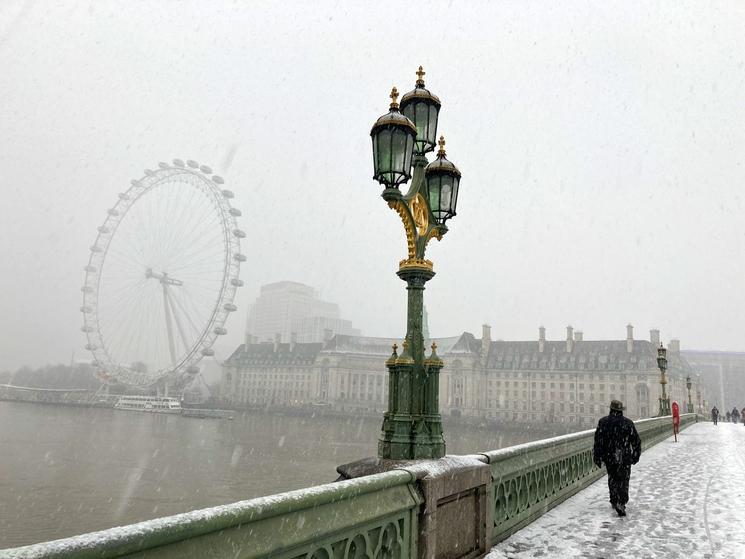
407,437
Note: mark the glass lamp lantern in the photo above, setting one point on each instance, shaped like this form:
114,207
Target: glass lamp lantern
443,180
422,108
662,357
393,137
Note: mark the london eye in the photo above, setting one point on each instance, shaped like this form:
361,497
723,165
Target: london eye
162,276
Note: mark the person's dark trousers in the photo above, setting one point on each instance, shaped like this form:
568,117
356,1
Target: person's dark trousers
618,483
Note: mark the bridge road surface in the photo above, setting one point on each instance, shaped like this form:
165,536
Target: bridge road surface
686,499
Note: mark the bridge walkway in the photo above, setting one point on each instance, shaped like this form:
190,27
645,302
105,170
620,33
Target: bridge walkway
686,499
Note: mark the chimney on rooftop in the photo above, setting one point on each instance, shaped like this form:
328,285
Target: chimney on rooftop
277,341
578,336
293,340
541,338
654,337
570,339
485,340
629,338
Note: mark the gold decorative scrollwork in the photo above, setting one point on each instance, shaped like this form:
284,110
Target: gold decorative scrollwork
400,207
419,212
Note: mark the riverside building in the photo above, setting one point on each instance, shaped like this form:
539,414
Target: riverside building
570,381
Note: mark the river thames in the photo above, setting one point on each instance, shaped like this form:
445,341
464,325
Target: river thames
67,470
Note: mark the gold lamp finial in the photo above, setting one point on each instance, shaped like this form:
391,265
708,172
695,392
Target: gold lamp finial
395,347
441,143
394,98
420,76
434,346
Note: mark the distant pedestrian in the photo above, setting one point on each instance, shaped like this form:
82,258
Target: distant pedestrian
735,415
714,414
742,416
728,416
618,446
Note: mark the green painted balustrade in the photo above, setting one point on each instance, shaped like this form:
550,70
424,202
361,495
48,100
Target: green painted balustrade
373,517
530,479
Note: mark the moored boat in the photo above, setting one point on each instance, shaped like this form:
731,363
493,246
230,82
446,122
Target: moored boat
153,404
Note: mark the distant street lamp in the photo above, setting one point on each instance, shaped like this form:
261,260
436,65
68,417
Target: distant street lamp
662,364
698,393
688,386
412,426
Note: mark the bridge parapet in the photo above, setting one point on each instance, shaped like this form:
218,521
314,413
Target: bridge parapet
530,479
374,516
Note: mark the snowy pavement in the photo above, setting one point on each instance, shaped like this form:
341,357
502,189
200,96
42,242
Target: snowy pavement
686,499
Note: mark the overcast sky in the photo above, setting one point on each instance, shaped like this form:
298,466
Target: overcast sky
602,150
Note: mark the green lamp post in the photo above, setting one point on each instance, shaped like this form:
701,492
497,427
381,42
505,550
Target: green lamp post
662,364
688,386
401,138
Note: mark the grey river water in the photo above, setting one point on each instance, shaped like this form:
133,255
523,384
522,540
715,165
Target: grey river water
67,470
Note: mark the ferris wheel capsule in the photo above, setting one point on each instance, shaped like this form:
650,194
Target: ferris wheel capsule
145,255
228,194
218,180
235,212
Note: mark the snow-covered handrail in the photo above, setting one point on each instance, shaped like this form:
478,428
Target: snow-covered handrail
377,512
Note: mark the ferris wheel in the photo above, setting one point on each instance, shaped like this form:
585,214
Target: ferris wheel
162,276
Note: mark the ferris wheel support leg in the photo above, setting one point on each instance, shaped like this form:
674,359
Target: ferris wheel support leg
169,325
179,325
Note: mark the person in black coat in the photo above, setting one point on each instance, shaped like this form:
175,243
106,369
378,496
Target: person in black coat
618,446
714,414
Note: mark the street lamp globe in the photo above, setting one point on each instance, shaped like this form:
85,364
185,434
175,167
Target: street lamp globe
422,107
393,138
662,357
443,180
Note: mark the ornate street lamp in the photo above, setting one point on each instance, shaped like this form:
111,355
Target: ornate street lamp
412,426
698,393
688,386
662,364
